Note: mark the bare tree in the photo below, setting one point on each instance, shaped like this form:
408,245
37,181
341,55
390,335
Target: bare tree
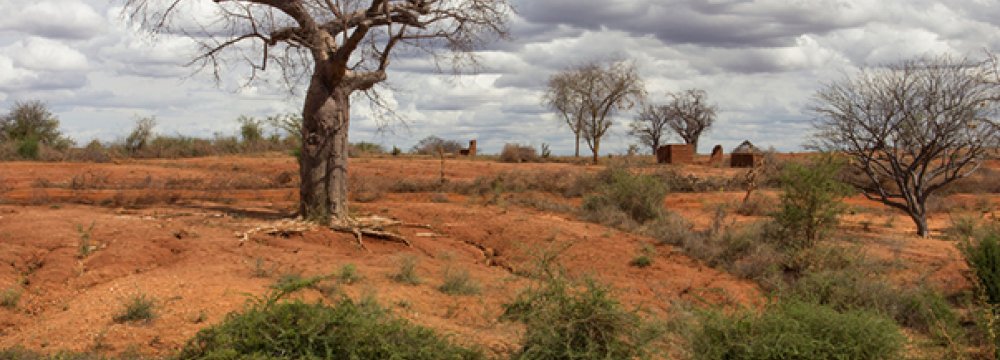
911,128
341,46
649,125
560,97
690,114
588,95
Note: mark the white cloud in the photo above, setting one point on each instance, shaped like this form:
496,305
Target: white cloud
41,54
61,19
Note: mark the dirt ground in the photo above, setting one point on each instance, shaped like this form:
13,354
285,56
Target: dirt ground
168,229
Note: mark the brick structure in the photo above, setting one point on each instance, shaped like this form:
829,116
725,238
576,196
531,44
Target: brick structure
471,151
745,156
718,156
675,154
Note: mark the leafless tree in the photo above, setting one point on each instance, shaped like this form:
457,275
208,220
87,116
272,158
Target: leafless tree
649,125
560,97
911,128
690,114
341,46
588,95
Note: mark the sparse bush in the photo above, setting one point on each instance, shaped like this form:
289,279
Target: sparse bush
396,151
9,297
85,248
251,130
138,308
796,330
852,288
287,280
349,275
271,328
430,145
640,197
364,149
515,153
677,182
645,257
810,203
458,282
565,320
141,135
407,273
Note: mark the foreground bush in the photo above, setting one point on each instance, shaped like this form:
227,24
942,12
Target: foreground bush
567,321
639,197
797,330
295,330
811,201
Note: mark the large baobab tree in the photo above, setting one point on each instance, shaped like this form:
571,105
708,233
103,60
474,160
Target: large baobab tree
911,128
650,124
341,46
588,95
690,114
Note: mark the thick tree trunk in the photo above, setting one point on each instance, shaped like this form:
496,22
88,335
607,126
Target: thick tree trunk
921,222
323,160
597,149
694,145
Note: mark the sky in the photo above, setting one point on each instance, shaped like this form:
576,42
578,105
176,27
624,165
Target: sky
760,61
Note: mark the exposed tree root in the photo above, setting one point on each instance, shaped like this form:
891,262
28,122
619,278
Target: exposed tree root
371,226
374,226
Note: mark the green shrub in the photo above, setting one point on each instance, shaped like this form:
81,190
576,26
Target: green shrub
251,130
10,297
921,309
796,330
458,282
984,259
640,197
641,261
27,148
407,271
811,200
349,275
567,321
273,329
30,124
138,308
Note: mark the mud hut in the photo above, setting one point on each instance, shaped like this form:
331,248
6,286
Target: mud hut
675,154
746,155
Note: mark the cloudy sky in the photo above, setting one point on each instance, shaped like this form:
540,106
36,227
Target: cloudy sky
759,60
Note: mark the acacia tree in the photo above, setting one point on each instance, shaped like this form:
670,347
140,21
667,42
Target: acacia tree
649,125
690,114
911,128
32,120
341,46
588,95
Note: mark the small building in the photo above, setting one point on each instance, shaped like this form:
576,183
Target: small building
470,151
718,156
745,156
675,154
